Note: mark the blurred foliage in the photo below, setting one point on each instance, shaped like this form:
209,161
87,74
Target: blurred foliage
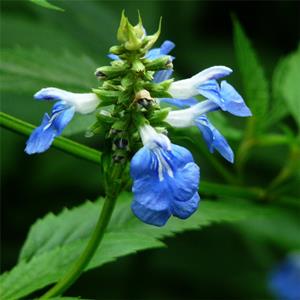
41,47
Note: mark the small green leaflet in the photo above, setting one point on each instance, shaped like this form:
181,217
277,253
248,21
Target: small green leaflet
256,90
46,4
55,242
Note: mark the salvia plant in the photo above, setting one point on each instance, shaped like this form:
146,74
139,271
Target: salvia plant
136,107
135,122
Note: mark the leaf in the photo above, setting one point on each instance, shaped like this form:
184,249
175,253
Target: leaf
288,87
256,90
278,108
46,4
281,228
55,242
31,69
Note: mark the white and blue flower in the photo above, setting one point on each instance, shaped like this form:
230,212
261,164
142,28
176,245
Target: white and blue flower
62,113
195,116
205,83
165,179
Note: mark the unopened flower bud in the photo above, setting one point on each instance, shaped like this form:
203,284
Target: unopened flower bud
144,99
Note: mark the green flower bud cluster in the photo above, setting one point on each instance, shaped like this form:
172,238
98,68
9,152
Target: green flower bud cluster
128,93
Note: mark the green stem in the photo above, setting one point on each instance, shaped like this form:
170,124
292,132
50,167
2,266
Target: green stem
61,143
75,270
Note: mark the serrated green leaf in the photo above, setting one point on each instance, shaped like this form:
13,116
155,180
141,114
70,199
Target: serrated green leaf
46,4
256,90
55,242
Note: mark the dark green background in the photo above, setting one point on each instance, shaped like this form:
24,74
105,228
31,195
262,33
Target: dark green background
219,262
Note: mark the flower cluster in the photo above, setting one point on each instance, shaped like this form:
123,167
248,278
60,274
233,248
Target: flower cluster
134,96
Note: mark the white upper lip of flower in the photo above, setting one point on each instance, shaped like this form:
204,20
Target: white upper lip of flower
187,88
84,103
185,117
152,139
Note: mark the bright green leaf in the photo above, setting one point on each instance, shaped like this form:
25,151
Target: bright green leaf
256,90
46,4
288,86
278,108
55,242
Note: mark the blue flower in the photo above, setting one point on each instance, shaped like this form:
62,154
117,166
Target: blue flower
195,116
62,113
165,180
187,88
213,138
284,280
225,95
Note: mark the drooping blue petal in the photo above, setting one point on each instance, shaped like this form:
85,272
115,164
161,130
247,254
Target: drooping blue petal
42,137
180,103
232,101
183,210
164,183
284,281
214,138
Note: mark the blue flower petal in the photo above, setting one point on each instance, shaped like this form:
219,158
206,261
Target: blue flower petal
210,89
41,139
284,281
143,163
164,49
150,204
113,56
162,75
163,181
185,209
214,138
62,115
43,136
167,47
180,103
232,101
